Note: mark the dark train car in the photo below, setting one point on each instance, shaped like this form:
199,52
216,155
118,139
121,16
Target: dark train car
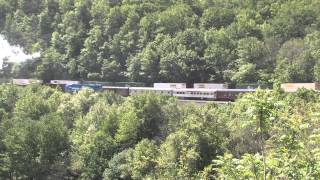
123,91
129,84
230,94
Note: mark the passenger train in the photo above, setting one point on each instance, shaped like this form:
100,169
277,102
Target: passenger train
201,91
187,93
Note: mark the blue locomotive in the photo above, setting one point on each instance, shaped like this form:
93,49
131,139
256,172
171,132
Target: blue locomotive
73,88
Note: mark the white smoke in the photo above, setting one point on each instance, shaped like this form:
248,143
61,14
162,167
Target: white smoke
13,53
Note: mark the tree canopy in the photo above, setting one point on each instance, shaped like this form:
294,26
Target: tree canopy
48,134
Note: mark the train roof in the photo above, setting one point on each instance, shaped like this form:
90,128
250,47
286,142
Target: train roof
210,83
183,89
114,87
196,89
170,83
150,88
237,90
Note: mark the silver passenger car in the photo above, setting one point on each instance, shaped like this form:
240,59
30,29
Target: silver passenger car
209,94
140,90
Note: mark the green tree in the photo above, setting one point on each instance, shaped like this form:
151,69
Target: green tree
252,57
294,62
144,160
217,17
33,147
31,107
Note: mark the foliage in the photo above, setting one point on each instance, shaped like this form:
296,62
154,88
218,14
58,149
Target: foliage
229,41
48,134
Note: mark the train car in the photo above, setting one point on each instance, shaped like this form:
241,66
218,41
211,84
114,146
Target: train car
123,91
140,90
292,87
62,83
116,84
210,86
207,94
170,85
73,88
5,81
129,84
25,82
231,94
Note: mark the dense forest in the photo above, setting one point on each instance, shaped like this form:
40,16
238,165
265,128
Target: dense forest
233,41
48,134
269,134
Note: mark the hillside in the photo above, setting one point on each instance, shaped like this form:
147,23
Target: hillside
48,134
234,41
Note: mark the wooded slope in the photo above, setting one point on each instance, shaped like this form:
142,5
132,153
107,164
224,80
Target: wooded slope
234,41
